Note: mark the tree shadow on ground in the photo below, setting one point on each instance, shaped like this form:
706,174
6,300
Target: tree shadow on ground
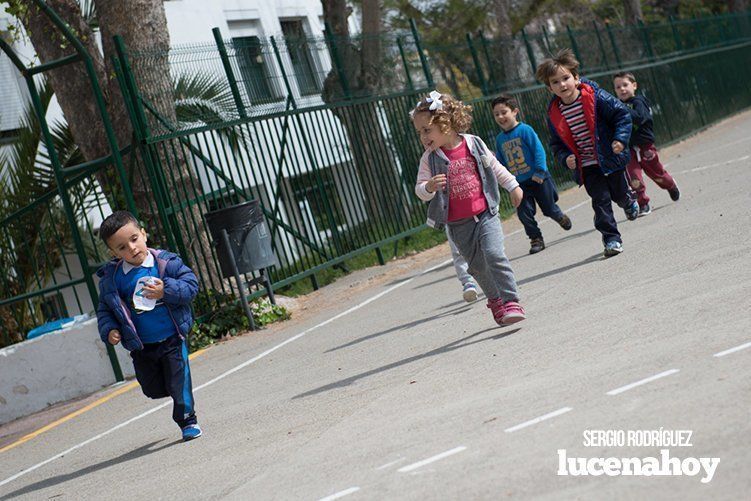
556,242
455,311
59,479
454,345
590,259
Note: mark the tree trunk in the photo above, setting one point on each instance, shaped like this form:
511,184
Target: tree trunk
143,25
374,158
149,31
738,5
504,30
632,11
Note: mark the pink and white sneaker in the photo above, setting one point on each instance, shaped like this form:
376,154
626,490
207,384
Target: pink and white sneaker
496,307
512,313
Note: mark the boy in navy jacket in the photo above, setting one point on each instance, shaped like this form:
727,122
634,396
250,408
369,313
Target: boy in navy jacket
590,130
520,150
644,154
144,302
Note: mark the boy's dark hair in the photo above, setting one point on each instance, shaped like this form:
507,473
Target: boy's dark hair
506,99
625,74
563,59
114,222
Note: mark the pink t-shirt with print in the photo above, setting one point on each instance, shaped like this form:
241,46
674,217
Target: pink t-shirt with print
466,198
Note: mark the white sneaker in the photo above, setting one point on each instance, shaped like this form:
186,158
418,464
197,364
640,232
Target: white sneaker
470,292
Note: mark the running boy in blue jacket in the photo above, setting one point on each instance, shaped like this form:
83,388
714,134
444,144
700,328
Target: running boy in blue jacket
589,133
144,302
520,150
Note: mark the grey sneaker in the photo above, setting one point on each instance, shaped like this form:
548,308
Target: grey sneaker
536,245
470,292
613,248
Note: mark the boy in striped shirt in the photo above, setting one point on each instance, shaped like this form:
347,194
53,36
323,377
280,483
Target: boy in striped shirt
589,131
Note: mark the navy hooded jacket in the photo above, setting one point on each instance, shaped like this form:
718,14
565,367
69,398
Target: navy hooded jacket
180,287
606,116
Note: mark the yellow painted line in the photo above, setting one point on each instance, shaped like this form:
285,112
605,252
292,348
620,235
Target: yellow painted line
80,411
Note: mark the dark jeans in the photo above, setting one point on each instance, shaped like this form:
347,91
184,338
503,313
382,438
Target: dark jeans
162,370
605,190
545,195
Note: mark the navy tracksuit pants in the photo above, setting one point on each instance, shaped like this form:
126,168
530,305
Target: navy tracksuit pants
543,194
162,369
605,190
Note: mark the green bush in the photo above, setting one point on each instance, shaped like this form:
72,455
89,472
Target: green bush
227,317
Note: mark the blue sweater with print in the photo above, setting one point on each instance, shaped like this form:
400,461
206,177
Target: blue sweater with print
521,151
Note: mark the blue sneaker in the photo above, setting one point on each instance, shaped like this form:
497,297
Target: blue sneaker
613,248
191,431
632,211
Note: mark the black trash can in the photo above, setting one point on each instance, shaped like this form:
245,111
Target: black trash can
250,241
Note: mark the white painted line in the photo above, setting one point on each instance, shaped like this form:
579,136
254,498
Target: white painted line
733,350
431,459
719,164
341,494
225,374
642,381
392,463
86,442
562,410
237,368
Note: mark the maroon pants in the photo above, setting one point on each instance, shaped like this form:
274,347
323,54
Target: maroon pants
644,158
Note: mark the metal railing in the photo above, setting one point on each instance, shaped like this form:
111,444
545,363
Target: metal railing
335,180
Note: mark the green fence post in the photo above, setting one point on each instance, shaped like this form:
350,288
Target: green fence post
676,35
404,62
530,52
228,70
491,72
279,61
613,44
574,45
337,62
647,43
423,59
478,68
601,45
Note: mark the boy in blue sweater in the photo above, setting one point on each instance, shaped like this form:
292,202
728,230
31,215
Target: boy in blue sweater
520,150
144,302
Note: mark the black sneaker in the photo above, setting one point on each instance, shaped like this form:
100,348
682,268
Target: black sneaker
644,210
675,193
536,245
565,222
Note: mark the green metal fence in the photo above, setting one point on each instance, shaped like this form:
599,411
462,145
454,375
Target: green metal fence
334,180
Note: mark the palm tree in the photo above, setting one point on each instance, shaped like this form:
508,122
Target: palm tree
36,234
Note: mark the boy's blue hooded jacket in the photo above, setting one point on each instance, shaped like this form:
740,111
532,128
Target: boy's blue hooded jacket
180,287
606,115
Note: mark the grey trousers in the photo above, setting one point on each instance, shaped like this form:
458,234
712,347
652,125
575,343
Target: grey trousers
480,242
460,264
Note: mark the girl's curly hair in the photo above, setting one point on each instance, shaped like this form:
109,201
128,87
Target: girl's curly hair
453,115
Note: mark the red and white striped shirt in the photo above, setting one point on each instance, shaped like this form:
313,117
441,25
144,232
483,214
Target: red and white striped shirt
583,136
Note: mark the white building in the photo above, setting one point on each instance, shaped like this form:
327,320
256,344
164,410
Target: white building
248,24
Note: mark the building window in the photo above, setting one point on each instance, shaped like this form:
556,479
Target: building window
300,55
318,192
253,70
53,307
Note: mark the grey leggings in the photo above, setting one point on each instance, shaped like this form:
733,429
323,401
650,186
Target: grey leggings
480,241
460,264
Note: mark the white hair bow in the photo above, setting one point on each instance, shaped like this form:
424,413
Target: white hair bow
434,98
